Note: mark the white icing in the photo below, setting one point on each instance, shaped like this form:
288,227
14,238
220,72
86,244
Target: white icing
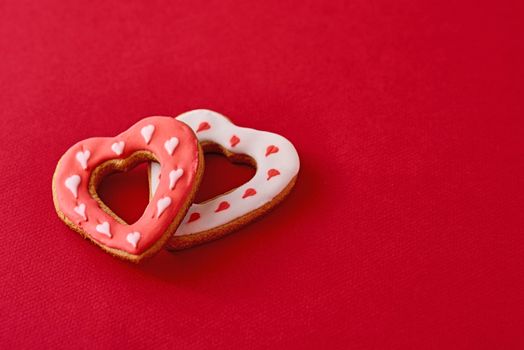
133,238
171,144
253,143
174,175
104,229
162,204
118,147
147,132
83,157
72,183
155,177
81,210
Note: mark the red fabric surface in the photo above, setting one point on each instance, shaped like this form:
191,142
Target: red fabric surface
405,229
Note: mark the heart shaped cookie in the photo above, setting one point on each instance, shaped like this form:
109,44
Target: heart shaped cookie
276,162
165,140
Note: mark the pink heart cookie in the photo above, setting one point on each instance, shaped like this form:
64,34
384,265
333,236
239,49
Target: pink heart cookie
276,162
165,140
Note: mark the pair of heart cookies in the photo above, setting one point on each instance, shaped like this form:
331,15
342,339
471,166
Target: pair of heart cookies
175,148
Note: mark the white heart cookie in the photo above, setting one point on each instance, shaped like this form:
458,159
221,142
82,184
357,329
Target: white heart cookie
277,165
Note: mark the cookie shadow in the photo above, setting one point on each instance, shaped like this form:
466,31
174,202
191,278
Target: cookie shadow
207,260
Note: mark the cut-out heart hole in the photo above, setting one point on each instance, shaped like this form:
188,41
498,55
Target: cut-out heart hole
222,175
126,193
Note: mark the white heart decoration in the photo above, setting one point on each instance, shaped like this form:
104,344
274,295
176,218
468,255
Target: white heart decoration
104,229
147,132
162,204
82,158
171,144
81,210
174,175
72,183
118,147
133,238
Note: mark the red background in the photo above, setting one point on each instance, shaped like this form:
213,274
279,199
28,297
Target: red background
405,229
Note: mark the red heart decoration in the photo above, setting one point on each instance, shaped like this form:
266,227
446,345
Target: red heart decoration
271,173
271,149
222,206
234,140
203,126
166,140
249,192
194,217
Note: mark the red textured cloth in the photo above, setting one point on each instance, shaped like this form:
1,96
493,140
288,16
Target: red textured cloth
405,229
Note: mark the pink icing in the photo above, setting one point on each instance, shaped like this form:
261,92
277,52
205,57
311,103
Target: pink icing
149,226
